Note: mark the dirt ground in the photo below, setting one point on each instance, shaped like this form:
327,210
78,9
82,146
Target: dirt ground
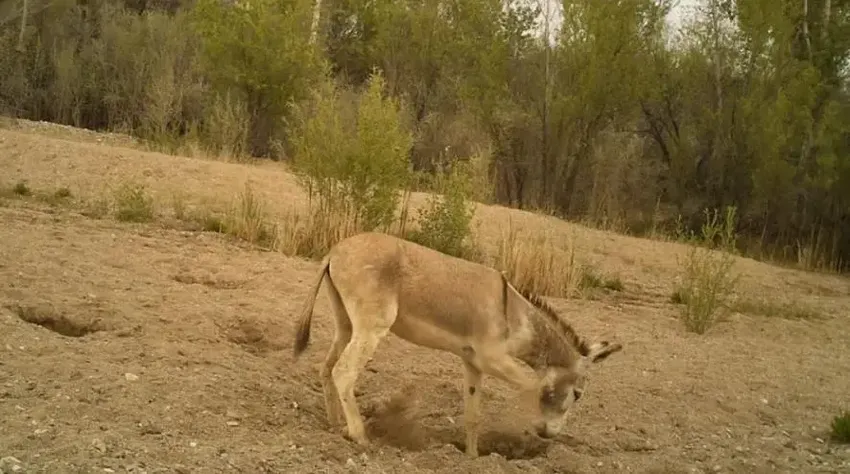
187,364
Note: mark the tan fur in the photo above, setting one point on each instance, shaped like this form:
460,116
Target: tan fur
378,283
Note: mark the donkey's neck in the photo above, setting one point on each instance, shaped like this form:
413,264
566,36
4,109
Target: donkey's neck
546,346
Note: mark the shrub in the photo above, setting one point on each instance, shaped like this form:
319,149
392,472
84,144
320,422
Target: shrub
21,188
590,278
841,428
445,222
706,274
351,156
132,204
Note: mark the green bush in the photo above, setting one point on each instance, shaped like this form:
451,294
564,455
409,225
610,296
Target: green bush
445,221
259,61
351,155
707,278
841,428
133,204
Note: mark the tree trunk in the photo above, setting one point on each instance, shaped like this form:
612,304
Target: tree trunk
20,47
314,28
546,160
806,37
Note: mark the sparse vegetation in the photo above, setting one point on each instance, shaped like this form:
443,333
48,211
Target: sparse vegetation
445,224
133,204
537,264
841,428
247,220
62,193
178,206
97,207
591,278
215,78
21,188
707,277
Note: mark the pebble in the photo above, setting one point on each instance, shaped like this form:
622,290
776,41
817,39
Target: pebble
11,464
131,377
98,445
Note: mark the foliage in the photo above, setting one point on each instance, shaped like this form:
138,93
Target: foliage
618,119
260,51
707,276
133,204
351,154
445,222
841,428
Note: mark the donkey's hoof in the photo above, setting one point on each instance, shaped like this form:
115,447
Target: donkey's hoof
361,440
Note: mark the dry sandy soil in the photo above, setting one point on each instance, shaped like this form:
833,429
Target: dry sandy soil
189,367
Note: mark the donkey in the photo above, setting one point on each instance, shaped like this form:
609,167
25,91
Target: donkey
379,283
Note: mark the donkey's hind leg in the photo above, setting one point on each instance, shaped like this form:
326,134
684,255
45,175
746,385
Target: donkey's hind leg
371,322
342,335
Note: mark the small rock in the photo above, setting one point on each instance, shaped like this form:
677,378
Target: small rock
131,377
716,468
11,464
350,463
232,423
364,458
98,445
193,444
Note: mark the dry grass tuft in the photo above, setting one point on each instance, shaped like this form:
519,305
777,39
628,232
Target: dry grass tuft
312,234
537,264
247,220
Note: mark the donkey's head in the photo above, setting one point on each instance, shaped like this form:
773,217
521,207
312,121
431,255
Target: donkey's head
565,359
561,387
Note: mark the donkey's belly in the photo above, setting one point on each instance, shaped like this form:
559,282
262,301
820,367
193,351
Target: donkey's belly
429,333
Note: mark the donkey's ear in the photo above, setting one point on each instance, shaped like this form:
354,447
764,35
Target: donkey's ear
601,350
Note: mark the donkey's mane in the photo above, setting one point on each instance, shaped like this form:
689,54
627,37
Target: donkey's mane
553,317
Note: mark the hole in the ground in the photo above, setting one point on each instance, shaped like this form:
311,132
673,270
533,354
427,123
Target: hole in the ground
55,321
509,445
251,337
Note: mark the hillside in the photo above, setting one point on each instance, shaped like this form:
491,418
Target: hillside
188,366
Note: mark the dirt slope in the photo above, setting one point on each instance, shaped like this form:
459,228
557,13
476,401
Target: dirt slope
189,367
